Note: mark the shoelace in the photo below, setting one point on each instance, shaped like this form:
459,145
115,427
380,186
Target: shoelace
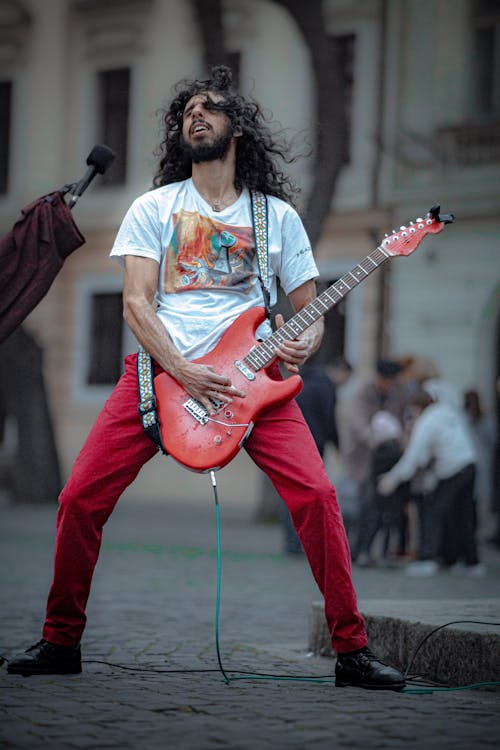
366,655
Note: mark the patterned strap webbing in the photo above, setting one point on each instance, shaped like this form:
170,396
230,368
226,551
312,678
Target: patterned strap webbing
147,401
260,228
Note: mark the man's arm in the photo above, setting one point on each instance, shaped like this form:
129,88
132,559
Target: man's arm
139,289
295,353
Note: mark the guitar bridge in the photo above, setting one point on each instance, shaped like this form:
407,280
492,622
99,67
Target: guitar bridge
198,411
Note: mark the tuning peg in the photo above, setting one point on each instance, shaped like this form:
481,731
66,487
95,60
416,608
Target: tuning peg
402,228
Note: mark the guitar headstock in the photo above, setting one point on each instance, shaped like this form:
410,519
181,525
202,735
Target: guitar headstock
407,239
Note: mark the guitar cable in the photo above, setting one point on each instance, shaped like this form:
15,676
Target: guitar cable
426,686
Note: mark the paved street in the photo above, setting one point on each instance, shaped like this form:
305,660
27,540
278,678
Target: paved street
153,605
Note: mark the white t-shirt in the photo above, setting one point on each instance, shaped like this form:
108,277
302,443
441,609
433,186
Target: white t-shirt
208,263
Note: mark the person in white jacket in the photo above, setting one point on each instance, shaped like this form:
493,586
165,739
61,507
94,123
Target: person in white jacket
441,443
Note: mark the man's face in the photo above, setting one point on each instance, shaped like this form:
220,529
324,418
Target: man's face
206,133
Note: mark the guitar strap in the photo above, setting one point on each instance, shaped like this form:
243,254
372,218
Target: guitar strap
147,400
260,230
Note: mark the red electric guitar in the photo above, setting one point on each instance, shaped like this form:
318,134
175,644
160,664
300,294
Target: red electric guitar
204,442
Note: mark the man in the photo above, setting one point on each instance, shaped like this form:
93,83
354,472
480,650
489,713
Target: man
183,287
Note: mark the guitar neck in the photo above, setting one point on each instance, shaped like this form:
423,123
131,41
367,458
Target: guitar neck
263,354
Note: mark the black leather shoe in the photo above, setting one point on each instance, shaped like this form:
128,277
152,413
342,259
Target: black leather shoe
47,658
363,669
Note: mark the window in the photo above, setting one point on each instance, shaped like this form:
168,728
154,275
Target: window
344,47
5,118
105,340
487,57
234,62
102,338
114,106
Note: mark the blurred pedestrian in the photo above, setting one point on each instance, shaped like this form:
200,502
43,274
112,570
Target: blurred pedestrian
383,512
483,431
440,438
382,390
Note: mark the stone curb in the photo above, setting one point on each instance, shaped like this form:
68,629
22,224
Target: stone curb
456,655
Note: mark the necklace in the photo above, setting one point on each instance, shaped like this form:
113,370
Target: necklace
223,202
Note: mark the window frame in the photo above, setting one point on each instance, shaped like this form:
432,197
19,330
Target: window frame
86,288
118,174
6,130
486,20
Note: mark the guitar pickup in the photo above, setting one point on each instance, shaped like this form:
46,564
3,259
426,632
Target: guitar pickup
246,371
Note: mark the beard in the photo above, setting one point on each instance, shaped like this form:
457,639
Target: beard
208,151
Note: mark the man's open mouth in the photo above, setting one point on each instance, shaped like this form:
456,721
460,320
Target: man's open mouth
200,127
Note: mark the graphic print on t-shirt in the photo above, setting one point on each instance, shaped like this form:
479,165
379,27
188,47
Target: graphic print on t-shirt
207,254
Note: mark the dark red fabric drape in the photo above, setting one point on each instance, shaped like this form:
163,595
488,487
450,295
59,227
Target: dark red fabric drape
31,255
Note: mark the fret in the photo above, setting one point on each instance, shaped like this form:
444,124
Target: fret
360,267
248,361
259,357
293,323
267,345
305,311
298,316
279,334
319,301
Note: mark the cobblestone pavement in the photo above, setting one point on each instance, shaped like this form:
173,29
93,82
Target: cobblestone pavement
153,605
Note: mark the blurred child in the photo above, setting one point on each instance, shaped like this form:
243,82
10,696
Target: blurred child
384,515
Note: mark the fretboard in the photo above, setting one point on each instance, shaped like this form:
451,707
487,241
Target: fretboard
263,354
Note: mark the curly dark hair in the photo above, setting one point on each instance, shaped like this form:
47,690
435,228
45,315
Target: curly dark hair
257,151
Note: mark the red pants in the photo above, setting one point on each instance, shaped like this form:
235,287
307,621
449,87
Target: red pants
114,452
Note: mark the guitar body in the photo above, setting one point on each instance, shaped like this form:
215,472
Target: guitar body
204,447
